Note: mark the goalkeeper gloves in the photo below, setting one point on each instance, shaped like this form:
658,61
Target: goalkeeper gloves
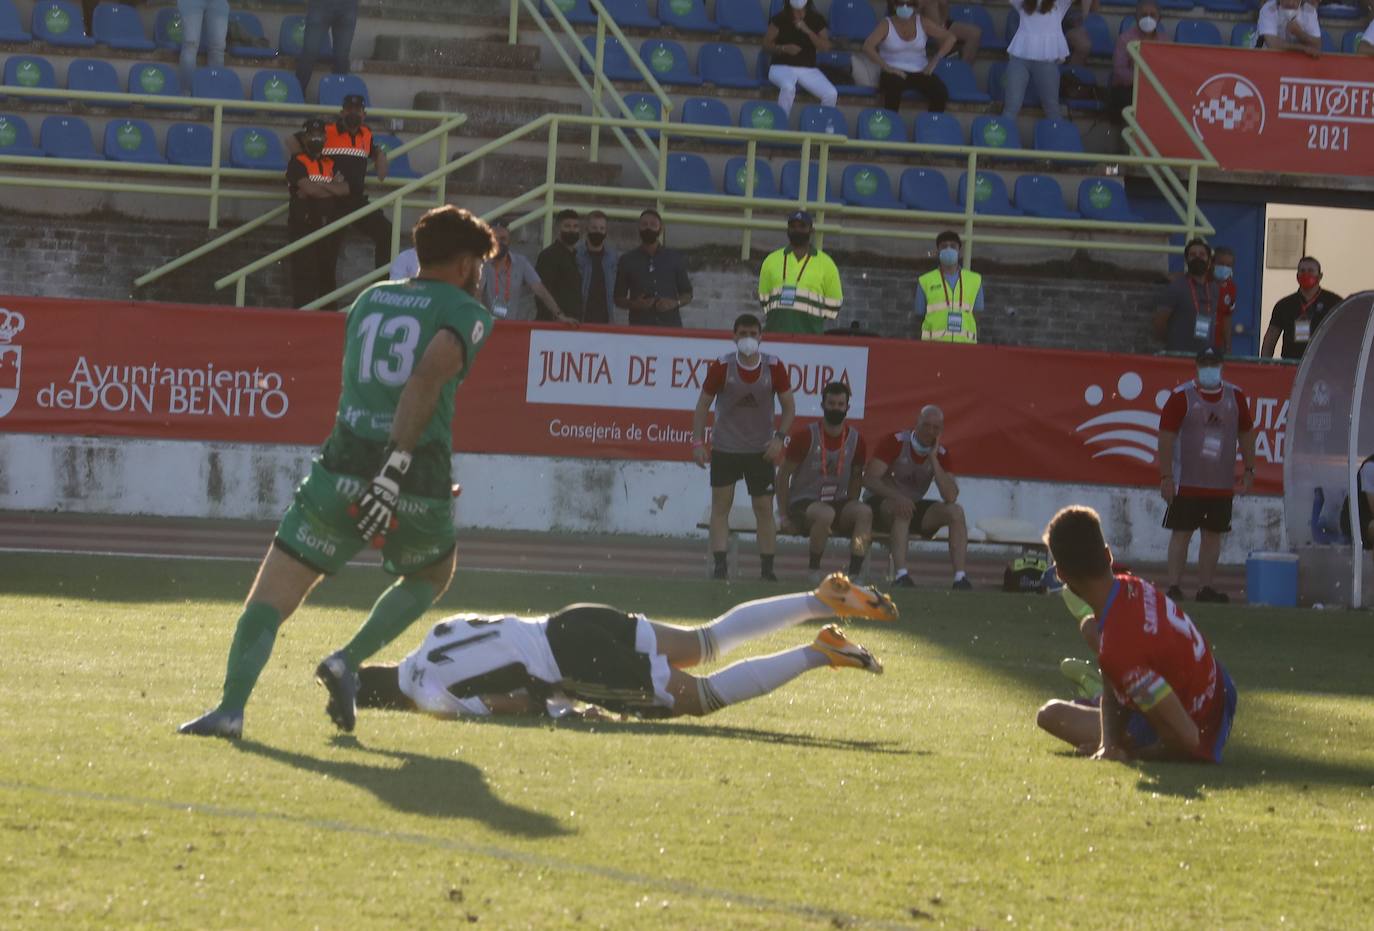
375,511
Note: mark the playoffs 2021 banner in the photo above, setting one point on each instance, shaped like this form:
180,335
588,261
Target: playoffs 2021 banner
265,376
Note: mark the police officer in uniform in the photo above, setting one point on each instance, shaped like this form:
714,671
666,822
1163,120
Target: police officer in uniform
317,193
348,141
947,297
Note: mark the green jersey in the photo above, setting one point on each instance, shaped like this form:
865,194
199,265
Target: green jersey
389,327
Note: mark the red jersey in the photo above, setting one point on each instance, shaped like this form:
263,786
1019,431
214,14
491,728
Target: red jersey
715,377
890,447
1149,648
1226,308
1171,419
799,444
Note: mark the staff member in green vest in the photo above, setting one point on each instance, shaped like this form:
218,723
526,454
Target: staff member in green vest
948,297
799,287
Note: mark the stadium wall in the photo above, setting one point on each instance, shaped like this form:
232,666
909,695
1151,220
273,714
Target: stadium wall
242,481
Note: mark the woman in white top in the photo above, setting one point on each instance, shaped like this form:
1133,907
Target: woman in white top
1035,52
793,38
1289,25
898,46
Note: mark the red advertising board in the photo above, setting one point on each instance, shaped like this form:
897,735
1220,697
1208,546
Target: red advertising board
1260,110
178,372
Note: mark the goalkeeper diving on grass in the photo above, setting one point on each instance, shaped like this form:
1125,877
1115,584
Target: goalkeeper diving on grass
617,661
383,476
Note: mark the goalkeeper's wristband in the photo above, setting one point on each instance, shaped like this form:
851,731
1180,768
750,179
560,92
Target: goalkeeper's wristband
397,463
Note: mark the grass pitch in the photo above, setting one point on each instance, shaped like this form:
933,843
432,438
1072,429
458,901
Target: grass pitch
923,798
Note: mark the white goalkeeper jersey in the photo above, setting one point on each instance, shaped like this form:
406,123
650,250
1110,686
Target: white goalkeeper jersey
466,656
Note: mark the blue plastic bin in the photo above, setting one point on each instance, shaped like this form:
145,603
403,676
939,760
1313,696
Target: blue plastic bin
1272,579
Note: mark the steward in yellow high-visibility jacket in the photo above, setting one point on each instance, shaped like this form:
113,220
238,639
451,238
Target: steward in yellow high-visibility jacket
948,297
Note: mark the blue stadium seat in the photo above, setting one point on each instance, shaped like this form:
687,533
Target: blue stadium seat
255,147
632,13
250,26
668,62
1345,10
1129,3
995,132
791,183
10,28
989,195
1329,46
1057,136
1178,6
852,19
881,125
1105,199
335,87
1351,40
643,107
1041,196
118,26
762,114
926,189
190,144
689,174
1197,32
577,12
615,60
1243,35
67,137
1103,45
706,111
30,71
58,22
978,15
132,141
167,28
397,166
218,83
291,38
1087,76
960,81
154,77
687,15
868,186
1226,6
744,19
92,74
938,129
1014,20
736,175
818,118
722,64
1128,21
276,86
15,138
843,61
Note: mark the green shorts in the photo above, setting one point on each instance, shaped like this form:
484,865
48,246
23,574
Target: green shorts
318,531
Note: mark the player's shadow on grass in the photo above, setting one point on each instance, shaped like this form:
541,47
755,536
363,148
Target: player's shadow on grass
1248,765
435,787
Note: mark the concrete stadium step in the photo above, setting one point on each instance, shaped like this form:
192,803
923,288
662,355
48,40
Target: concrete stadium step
488,115
514,174
435,54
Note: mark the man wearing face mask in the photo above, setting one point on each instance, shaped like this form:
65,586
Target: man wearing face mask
1223,273
820,481
348,141
1289,25
1186,318
317,189
744,443
948,297
903,467
799,285
557,269
651,282
597,260
1203,423
1297,316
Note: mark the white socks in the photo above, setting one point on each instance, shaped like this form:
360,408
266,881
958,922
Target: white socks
751,678
752,619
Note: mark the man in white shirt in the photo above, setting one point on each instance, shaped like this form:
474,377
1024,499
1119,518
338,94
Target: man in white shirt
1365,44
1289,25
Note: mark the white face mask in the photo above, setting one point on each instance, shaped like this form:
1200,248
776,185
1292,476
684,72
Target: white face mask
1148,23
747,345
1209,377
798,4
905,11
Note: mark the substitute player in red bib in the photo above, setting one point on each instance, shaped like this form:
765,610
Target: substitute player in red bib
1200,428
820,480
1165,697
744,443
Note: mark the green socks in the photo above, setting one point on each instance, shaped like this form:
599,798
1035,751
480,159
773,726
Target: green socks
257,631
400,606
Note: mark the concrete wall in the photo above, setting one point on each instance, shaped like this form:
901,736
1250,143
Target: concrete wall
189,479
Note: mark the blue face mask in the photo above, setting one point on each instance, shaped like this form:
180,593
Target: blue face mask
1209,377
949,256
1222,272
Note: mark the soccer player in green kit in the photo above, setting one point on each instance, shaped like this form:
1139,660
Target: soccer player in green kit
383,475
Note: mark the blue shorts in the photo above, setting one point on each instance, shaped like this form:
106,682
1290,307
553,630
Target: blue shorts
1142,733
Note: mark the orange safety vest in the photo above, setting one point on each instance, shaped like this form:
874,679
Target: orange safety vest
321,170
339,141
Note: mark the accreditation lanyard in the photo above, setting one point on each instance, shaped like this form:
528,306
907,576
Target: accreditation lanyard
825,467
800,272
944,284
1206,309
1302,327
510,274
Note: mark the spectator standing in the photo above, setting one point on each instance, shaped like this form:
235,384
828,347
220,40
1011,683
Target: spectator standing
597,260
1185,319
820,481
968,35
1035,52
508,277
1202,423
1289,25
337,17
898,46
1145,29
744,443
201,19
317,189
348,141
651,282
1297,316
793,38
799,286
948,297
557,268
900,472
1224,274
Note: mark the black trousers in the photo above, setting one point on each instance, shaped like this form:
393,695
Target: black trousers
928,86
314,269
